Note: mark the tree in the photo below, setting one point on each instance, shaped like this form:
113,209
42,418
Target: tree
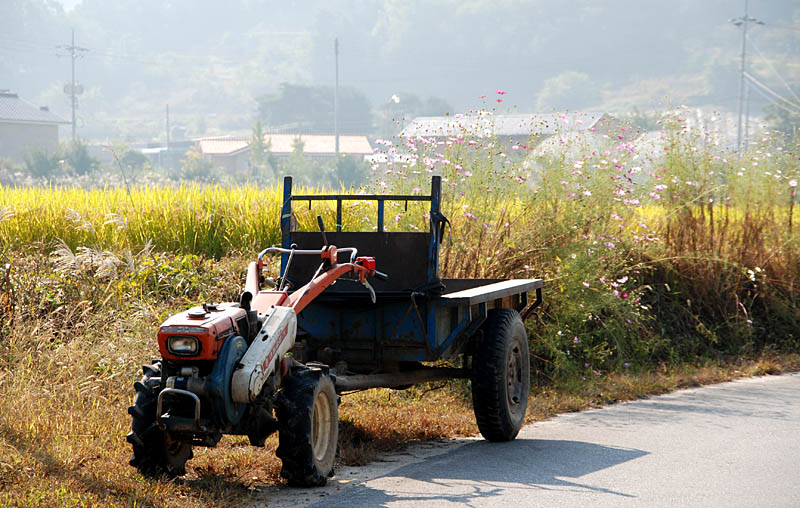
259,150
79,159
42,163
300,108
195,167
133,159
782,120
351,171
568,90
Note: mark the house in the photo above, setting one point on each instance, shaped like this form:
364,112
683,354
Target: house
508,129
229,153
25,127
232,153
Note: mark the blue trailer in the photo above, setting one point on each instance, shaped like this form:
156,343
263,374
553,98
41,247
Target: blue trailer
418,316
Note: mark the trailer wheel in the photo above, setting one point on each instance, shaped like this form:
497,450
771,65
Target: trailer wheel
155,452
308,427
501,376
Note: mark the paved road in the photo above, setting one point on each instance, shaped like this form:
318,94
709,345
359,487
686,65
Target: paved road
733,444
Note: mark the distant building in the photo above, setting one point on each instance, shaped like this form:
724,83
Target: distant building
161,156
508,129
25,127
232,153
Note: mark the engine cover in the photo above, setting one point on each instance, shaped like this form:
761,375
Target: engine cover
208,325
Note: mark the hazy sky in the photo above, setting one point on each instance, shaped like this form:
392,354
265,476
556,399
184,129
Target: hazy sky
211,60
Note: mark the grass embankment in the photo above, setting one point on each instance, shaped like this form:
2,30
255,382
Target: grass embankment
662,272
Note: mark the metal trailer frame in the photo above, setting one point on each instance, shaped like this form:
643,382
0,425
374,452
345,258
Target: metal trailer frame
417,318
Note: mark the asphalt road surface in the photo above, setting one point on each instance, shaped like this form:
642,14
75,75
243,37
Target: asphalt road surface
734,444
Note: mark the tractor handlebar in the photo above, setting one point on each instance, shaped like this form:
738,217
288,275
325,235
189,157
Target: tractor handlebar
370,262
352,250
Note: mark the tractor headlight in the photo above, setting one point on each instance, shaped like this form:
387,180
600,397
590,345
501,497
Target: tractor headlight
183,345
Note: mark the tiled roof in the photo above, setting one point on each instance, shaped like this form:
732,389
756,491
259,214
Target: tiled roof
14,109
222,146
486,125
313,144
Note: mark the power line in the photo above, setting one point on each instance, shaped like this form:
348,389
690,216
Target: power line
752,79
774,102
774,70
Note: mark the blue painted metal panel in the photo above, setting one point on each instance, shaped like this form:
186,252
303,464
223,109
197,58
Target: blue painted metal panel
366,332
286,219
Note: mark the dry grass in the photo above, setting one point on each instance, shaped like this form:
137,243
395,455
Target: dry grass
62,429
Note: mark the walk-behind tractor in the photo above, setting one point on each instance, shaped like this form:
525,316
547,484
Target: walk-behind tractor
331,323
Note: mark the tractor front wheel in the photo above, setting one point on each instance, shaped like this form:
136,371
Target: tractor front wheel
501,375
155,452
308,427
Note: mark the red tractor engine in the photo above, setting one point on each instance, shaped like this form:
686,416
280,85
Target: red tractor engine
198,333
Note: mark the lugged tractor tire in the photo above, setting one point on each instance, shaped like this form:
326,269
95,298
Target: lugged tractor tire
155,453
501,376
308,427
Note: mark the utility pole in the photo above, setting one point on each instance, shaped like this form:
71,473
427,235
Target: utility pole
167,128
746,117
743,21
336,94
73,89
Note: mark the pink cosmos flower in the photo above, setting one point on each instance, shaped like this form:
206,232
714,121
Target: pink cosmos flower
499,100
500,92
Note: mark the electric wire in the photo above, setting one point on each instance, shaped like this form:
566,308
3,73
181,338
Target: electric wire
752,79
774,102
774,70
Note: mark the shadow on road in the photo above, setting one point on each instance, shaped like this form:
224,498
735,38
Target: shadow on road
481,470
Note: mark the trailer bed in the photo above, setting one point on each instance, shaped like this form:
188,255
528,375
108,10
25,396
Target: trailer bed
488,292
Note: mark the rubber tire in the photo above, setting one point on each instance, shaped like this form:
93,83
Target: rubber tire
155,453
296,408
501,372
